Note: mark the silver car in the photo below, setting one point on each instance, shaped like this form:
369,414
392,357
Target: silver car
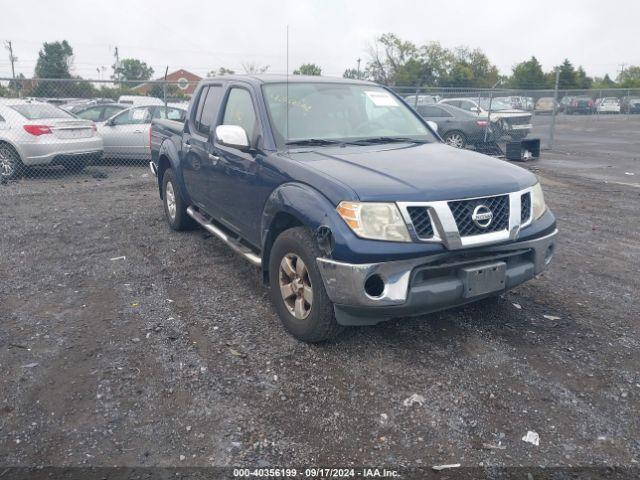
36,133
126,134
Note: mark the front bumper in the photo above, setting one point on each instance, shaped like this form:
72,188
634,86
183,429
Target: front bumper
426,284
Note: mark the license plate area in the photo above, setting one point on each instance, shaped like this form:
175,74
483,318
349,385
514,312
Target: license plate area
483,279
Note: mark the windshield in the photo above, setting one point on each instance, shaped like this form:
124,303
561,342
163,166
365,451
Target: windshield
35,111
329,112
495,104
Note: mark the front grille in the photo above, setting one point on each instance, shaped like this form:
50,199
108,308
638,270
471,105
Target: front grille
462,211
525,207
421,221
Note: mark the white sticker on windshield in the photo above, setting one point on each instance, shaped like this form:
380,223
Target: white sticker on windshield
382,99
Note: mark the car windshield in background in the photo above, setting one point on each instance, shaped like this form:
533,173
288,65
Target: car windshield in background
327,113
495,104
35,111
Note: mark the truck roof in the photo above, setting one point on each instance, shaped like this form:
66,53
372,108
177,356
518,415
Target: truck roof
279,78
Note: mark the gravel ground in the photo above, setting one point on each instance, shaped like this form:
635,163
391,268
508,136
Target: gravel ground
125,343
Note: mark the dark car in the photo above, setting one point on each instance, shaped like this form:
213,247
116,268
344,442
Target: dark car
347,200
99,112
581,104
630,105
457,127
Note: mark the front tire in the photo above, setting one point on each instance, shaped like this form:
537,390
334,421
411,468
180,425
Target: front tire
10,164
175,209
297,290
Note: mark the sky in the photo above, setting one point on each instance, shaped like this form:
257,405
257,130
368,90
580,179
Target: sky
203,35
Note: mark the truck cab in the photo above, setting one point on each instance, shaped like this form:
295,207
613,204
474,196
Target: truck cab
347,200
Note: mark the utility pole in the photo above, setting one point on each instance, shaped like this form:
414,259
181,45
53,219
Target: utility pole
552,128
358,69
117,65
12,59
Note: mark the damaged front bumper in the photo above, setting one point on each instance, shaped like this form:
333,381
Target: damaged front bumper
427,284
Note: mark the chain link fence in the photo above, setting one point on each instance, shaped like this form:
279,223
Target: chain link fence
61,128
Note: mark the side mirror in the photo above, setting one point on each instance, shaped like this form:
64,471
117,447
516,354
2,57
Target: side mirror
232,136
475,109
433,125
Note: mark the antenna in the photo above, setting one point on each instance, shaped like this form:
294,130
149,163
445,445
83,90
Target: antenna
287,114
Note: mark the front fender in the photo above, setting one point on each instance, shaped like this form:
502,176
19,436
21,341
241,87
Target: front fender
306,204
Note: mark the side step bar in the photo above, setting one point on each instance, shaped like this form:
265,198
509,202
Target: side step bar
237,247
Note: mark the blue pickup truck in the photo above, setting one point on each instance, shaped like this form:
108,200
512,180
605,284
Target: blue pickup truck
347,200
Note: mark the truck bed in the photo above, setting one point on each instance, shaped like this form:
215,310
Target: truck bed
162,130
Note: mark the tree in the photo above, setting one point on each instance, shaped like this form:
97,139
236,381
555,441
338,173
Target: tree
253,68
54,60
132,69
604,82
630,77
354,74
308,69
567,78
582,79
528,74
387,55
220,72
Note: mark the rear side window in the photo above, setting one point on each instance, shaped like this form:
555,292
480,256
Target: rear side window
208,109
35,111
239,111
426,111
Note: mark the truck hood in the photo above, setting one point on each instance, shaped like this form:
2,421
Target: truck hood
427,172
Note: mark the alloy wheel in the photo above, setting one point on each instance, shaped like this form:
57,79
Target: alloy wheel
455,140
295,286
171,200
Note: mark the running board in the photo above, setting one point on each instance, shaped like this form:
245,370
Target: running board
236,246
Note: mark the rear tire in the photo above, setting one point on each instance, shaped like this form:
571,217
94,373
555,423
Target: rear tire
297,289
175,208
455,139
11,166
74,166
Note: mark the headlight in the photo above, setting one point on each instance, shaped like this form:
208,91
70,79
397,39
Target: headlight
537,201
376,221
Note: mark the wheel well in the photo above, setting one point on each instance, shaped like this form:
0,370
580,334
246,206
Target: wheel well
281,222
163,165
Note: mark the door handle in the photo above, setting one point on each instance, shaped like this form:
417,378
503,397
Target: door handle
137,131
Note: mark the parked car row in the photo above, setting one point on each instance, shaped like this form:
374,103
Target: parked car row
38,133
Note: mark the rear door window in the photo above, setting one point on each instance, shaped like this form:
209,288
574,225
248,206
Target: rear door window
134,116
432,111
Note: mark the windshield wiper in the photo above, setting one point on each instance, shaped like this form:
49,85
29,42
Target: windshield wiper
313,142
377,140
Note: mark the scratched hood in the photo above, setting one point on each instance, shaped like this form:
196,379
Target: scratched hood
427,172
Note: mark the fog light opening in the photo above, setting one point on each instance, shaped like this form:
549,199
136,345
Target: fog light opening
548,255
374,286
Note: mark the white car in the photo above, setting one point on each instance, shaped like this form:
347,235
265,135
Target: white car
126,134
37,133
505,120
608,105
